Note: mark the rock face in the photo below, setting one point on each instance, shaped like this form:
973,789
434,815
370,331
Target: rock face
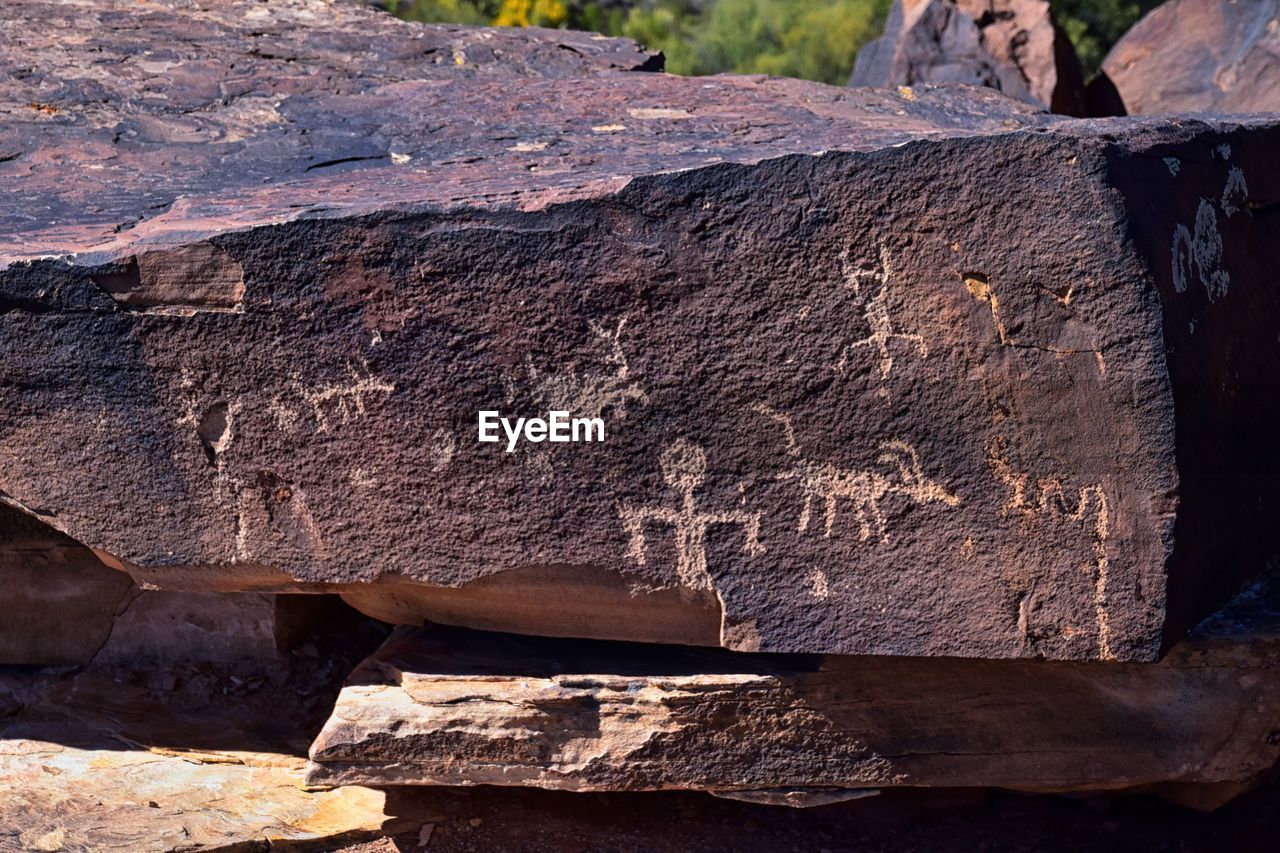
1009,45
63,606
459,708
918,374
1200,55
59,601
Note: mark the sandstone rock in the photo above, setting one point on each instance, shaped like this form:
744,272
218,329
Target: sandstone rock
448,706
59,601
1009,45
96,763
63,606
163,627
923,374
1200,55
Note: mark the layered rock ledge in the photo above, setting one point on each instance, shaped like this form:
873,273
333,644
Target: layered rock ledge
916,373
456,707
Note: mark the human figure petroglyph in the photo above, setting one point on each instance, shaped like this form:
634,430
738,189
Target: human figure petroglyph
875,311
1049,498
684,468
865,489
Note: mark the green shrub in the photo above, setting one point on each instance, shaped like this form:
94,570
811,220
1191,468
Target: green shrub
814,39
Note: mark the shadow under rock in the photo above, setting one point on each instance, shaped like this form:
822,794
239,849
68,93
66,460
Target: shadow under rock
252,705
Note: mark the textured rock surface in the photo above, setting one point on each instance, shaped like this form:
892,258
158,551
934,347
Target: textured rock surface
1200,55
461,708
189,758
881,373
1009,45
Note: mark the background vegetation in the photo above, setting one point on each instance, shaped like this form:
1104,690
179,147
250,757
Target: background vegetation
814,39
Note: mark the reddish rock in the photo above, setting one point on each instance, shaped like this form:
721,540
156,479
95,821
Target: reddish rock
1013,46
64,606
59,601
454,707
97,761
1200,55
922,374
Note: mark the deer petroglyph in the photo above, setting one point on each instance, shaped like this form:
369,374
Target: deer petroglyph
863,489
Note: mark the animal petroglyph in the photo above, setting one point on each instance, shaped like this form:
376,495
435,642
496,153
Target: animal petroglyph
1198,251
865,489
1235,195
980,288
875,311
684,468
1048,498
344,400
591,393
594,391
340,401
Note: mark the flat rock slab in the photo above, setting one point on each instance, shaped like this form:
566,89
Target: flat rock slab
98,762
1200,56
453,707
920,373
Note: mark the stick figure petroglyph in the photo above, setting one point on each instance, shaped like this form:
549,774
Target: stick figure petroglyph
684,468
865,489
875,311
1050,499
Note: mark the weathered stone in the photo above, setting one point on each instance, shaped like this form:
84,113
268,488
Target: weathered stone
1013,46
63,606
99,762
161,627
925,373
450,706
58,600
1200,55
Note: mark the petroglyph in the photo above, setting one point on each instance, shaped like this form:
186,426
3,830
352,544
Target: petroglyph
875,311
865,489
603,388
443,445
979,287
596,390
1047,498
1198,252
684,468
343,400
1235,196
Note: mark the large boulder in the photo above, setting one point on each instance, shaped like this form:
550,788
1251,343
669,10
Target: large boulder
921,373
59,601
1013,46
1200,55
